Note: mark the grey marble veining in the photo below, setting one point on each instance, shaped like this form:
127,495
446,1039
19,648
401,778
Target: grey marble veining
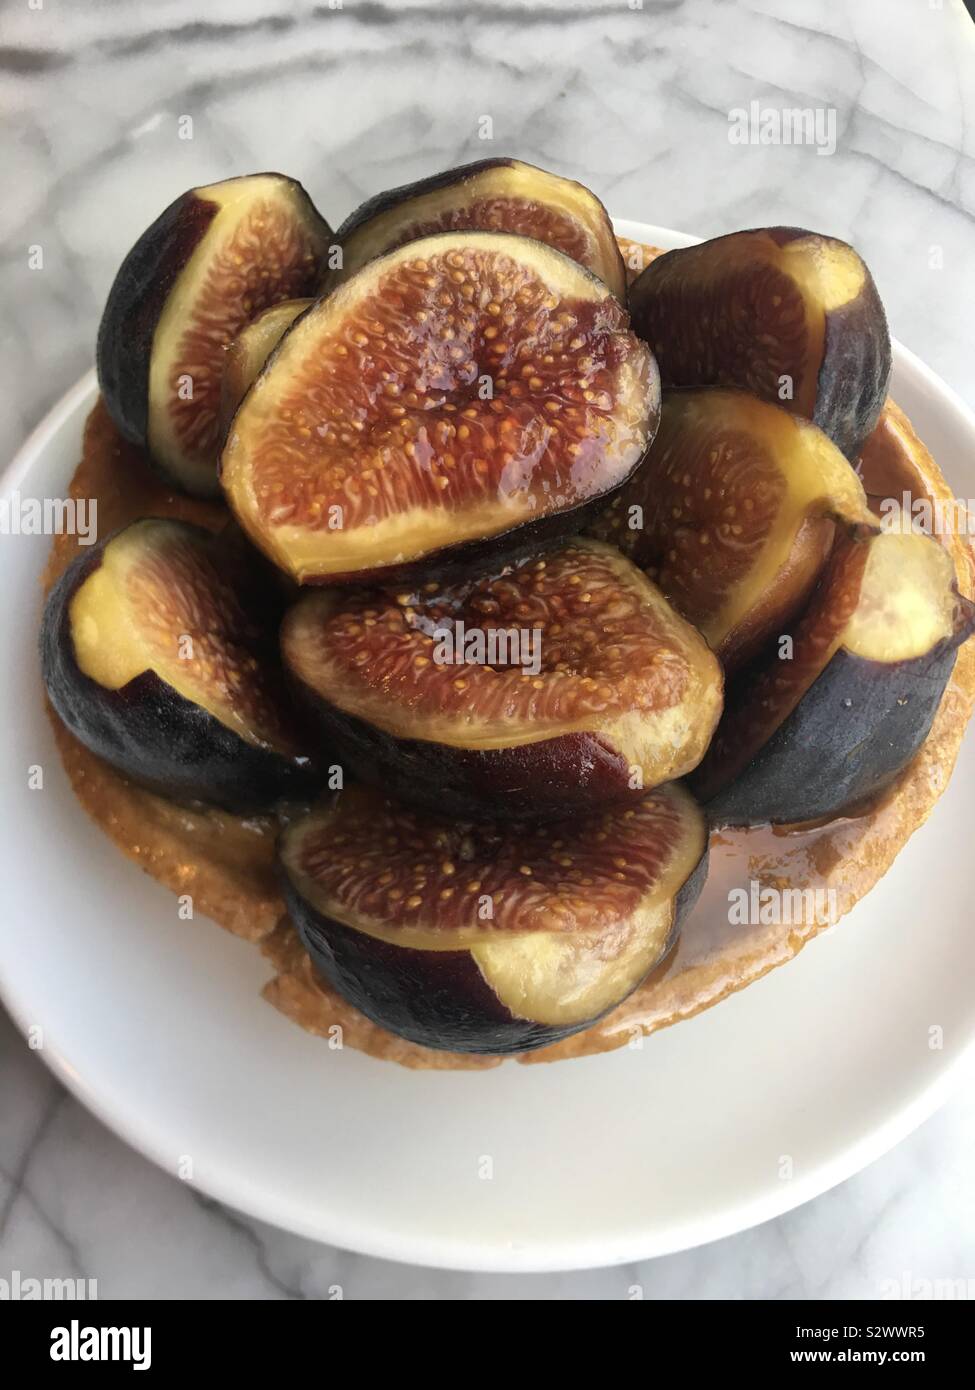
634,100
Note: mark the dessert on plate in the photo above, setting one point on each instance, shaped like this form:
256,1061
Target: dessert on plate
484,603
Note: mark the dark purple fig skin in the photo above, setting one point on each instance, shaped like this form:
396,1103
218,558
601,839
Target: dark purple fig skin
541,781
393,197
272,588
150,733
135,302
857,726
855,370
855,375
438,999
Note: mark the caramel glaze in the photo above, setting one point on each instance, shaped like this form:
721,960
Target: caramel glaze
227,864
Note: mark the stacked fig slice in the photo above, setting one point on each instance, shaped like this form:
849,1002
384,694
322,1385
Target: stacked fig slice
434,696
736,514
525,575
786,314
483,939
158,653
194,279
493,195
459,401
822,732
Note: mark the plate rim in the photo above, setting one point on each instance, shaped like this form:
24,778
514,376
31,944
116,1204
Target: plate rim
463,1254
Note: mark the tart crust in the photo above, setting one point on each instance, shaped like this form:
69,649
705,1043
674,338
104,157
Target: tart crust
227,864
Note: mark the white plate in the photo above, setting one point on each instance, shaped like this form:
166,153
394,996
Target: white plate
157,1025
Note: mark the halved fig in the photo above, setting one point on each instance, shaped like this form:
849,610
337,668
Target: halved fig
492,195
733,514
215,258
474,938
563,684
155,657
248,352
827,722
465,398
792,316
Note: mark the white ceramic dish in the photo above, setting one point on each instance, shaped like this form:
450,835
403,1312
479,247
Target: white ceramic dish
157,1025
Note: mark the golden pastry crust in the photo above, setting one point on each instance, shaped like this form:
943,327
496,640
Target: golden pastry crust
227,864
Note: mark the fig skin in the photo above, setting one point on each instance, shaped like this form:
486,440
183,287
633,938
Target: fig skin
137,299
864,713
353,233
440,999
849,737
154,735
135,302
540,781
852,372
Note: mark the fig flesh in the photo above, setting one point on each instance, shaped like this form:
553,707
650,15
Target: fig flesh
246,355
493,195
733,513
562,684
474,938
155,659
810,732
216,257
460,401
789,315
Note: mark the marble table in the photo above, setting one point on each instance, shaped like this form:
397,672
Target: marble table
636,100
